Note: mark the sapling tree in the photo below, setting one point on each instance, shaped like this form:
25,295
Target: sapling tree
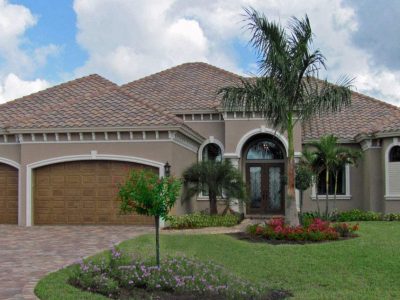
146,194
303,181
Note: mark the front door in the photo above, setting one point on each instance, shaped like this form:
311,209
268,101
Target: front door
266,188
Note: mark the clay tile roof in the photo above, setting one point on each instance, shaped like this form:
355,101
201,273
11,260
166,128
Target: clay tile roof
26,108
366,115
113,108
187,87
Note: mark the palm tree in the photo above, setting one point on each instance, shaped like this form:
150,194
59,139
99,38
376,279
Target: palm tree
333,157
346,157
286,90
220,177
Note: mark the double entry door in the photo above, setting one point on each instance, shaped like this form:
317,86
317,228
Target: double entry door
266,188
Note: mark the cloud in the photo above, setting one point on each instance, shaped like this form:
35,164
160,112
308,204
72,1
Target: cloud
126,40
18,61
14,87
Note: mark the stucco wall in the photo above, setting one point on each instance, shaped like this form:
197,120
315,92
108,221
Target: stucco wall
211,128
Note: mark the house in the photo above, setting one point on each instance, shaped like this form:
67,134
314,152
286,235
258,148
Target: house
63,150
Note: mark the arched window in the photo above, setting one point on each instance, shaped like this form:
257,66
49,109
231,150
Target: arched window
394,154
212,152
265,149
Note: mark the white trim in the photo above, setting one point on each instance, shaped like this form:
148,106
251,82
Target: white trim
91,156
392,197
16,165
389,147
210,140
256,131
347,196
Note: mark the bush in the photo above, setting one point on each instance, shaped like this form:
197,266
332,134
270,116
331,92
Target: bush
199,220
353,215
121,275
316,230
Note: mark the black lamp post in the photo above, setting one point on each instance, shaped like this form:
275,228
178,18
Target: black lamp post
167,169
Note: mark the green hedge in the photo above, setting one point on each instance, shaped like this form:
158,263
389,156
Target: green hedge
200,220
353,215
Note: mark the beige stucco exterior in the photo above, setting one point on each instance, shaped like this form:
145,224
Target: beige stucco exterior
366,182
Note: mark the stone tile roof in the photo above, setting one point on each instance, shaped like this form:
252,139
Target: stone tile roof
25,109
113,108
187,87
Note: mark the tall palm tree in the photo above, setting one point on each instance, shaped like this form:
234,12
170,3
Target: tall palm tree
220,177
286,90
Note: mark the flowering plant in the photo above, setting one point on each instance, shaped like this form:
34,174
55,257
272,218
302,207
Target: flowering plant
316,230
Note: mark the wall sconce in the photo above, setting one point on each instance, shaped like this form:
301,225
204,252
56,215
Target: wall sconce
167,169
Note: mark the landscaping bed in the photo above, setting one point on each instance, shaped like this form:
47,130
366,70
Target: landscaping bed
120,276
202,220
275,231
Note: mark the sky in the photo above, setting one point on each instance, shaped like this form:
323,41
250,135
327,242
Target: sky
47,42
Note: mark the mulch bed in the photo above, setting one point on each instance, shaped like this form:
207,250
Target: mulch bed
243,236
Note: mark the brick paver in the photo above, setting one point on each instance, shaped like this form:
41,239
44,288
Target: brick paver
27,254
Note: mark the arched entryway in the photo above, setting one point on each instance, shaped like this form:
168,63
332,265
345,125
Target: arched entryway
264,159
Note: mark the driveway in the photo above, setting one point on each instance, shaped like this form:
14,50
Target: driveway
27,254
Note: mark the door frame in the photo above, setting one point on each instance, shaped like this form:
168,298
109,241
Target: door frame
265,165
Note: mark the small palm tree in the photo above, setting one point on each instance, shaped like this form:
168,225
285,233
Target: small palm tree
333,157
346,157
286,90
220,177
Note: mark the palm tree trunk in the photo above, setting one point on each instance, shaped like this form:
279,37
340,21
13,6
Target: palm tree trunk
335,191
213,203
291,215
327,193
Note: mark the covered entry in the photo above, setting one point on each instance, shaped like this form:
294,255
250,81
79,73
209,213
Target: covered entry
82,192
264,162
8,194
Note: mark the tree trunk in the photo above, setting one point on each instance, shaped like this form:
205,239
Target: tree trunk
316,195
157,219
327,193
335,192
291,214
213,203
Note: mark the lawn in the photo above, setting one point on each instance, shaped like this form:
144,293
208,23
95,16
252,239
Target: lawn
367,267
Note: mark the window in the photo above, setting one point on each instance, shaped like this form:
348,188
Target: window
341,183
394,154
212,152
264,150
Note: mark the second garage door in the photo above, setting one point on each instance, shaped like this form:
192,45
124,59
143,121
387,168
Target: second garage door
82,192
8,194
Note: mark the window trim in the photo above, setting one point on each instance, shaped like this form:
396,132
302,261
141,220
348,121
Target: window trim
346,196
388,196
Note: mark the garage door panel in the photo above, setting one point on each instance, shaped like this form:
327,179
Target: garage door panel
82,192
8,194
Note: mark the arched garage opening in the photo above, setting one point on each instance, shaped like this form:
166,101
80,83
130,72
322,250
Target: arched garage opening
82,192
8,194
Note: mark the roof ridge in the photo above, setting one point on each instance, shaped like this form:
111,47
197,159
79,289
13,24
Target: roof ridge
180,66
76,80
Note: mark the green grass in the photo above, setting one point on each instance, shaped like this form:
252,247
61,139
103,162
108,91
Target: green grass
367,267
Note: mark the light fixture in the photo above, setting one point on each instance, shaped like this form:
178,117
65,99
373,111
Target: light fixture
167,169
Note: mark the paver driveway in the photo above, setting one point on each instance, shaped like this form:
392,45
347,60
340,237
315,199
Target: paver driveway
27,254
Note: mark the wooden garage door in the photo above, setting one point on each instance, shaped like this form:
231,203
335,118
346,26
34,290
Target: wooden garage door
82,192
8,194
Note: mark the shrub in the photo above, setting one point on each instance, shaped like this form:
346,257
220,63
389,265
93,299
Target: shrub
177,275
199,220
316,230
358,215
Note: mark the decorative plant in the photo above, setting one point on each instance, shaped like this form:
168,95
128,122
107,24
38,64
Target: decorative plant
221,178
287,90
303,180
147,194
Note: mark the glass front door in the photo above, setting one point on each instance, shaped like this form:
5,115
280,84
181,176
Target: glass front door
266,188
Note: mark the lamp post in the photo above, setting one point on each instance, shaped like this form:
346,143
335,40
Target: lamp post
167,169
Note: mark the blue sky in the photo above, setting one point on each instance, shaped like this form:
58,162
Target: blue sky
44,42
